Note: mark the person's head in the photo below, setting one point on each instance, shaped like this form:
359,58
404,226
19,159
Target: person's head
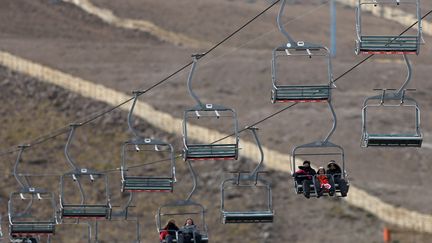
189,221
306,163
170,223
331,165
321,171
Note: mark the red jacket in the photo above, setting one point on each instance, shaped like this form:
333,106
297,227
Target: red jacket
323,179
163,234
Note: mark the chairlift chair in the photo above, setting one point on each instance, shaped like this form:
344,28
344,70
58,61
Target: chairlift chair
188,209
83,210
143,183
24,224
247,216
300,93
413,139
147,183
320,92
388,44
248,180
208,151
319,148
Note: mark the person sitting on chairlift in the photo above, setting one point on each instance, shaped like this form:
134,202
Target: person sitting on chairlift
169,232
335,171
190,232
304,177
324,183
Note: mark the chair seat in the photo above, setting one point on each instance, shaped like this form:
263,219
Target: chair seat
211,152
85,211
32,228
248,217
131,183
394,140
297,93
204,239
389,44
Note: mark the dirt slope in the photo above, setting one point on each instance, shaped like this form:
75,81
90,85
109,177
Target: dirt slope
64,37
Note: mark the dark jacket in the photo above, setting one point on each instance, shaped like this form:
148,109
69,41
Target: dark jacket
336,172
305,171
171,228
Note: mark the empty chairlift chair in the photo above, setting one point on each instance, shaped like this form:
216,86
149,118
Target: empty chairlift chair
84,180
246,216
31,211
85,210
387,44
248,180
145,148
286,90
142,183
210,150
393,139
300,92
24,223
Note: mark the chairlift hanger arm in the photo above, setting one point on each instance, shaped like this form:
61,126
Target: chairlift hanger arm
280,25
333,129
67,146
24,184
189,81
136,94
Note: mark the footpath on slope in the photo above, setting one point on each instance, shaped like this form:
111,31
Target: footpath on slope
109,17
397,15
397,216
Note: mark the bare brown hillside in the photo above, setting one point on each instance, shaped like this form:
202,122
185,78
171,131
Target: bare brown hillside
64,37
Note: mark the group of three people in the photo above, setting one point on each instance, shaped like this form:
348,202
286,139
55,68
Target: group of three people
188,233
323,181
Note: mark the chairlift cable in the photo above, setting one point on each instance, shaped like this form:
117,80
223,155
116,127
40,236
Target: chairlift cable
61,131
64,130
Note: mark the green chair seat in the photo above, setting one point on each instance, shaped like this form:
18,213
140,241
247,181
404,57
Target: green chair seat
147,184
248,217
211,151
389,43
297,93
85,211
394,140
32,228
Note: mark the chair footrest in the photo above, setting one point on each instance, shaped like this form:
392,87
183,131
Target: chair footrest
399,140
86,211
247,217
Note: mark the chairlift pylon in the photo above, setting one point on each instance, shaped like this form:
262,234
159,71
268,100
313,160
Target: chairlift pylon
387,44
319,92
208,151
84,210
146,183
23,224
248,180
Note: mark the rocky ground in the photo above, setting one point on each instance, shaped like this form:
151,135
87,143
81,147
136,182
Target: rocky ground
63,37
